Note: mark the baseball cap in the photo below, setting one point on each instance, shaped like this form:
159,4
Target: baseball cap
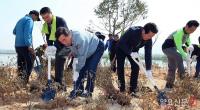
35,13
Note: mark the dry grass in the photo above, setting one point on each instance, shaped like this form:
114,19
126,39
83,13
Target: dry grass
12,92
104,81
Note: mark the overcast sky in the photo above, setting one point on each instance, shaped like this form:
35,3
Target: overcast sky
169,15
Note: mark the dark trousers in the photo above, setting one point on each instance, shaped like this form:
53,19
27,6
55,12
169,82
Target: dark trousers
89,70
112,56
25,61
59,68
197,73
120,71
59,61
174,61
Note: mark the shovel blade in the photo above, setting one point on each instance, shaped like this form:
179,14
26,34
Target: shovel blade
38,69
162,98
48,94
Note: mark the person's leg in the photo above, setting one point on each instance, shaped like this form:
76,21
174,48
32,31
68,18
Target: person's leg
78,83
20,61
59,62
197,73
120,55
29,61
59,68
92,66
114,63
173,60
112,56
171,72
134,74
180,66
89,66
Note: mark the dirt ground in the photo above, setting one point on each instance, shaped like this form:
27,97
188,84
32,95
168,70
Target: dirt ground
106,96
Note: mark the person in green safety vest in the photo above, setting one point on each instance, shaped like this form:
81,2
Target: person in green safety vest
49,28
172,48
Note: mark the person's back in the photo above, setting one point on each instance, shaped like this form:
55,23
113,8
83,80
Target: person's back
132,40
23,26
87,40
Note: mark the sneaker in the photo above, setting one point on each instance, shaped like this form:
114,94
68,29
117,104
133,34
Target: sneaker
135,94
166,89
62,87
79,92
86,94
182,76
197,76
24,79
73,94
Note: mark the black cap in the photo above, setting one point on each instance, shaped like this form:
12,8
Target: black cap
36,13
99,35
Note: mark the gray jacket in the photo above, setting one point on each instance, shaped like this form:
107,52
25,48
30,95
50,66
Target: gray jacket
84,44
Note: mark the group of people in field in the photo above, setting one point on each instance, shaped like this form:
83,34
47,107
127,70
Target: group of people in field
87,48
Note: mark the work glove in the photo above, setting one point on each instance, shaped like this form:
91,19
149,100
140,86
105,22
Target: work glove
194,57
50,51
75,72
190,49
32,52
188,59
135,55
149,73
150,76
189,54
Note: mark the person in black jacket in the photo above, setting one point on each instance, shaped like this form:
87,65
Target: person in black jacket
52,23
131,41
196,52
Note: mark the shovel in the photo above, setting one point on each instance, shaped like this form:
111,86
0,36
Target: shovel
189,60
38,67
50,92
161,96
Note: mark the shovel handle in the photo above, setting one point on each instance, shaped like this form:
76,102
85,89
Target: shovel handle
139,63
49,68
37,62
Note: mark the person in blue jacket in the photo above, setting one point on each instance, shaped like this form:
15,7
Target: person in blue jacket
131,41
108,46
23,44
